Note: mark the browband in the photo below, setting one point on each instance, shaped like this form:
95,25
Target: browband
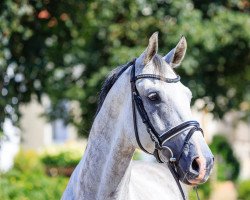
168,80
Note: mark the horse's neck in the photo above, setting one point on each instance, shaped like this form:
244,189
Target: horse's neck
104,165
103,169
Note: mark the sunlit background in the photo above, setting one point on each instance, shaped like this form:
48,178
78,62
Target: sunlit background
54,56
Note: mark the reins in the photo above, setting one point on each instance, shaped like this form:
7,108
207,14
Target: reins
159,140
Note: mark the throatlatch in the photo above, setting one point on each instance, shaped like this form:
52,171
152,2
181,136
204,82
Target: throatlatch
160,139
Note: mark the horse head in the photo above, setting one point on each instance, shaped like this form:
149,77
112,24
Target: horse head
167,128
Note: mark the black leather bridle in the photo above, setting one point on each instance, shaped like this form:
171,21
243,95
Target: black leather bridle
160,139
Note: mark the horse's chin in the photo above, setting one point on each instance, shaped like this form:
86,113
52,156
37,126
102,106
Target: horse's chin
186,179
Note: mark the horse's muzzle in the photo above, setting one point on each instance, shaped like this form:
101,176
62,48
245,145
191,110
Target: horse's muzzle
198,171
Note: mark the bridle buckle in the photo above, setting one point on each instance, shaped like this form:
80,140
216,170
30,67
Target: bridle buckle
172,160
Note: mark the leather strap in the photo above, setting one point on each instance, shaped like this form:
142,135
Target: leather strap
177,129
133,97
135,126
188,137
171,167
168,80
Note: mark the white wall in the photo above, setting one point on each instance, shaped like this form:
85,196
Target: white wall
36,132
10,146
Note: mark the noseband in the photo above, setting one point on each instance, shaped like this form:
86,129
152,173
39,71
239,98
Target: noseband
160,139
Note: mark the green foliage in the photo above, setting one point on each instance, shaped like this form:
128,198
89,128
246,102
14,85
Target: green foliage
26,161
228,167
204,191
244,190
69,158
27,180
137,155
16,185
61,159
47,47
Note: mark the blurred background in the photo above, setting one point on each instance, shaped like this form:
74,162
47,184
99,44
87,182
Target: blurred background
54,56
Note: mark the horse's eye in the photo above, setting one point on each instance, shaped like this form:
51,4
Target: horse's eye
153,96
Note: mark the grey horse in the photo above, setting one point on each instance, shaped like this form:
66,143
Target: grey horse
106,170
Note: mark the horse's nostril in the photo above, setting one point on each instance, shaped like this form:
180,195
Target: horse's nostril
195,165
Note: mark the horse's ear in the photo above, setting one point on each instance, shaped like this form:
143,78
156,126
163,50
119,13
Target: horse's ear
176,55
152,48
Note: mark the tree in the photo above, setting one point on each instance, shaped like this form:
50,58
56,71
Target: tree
228,167
64,49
